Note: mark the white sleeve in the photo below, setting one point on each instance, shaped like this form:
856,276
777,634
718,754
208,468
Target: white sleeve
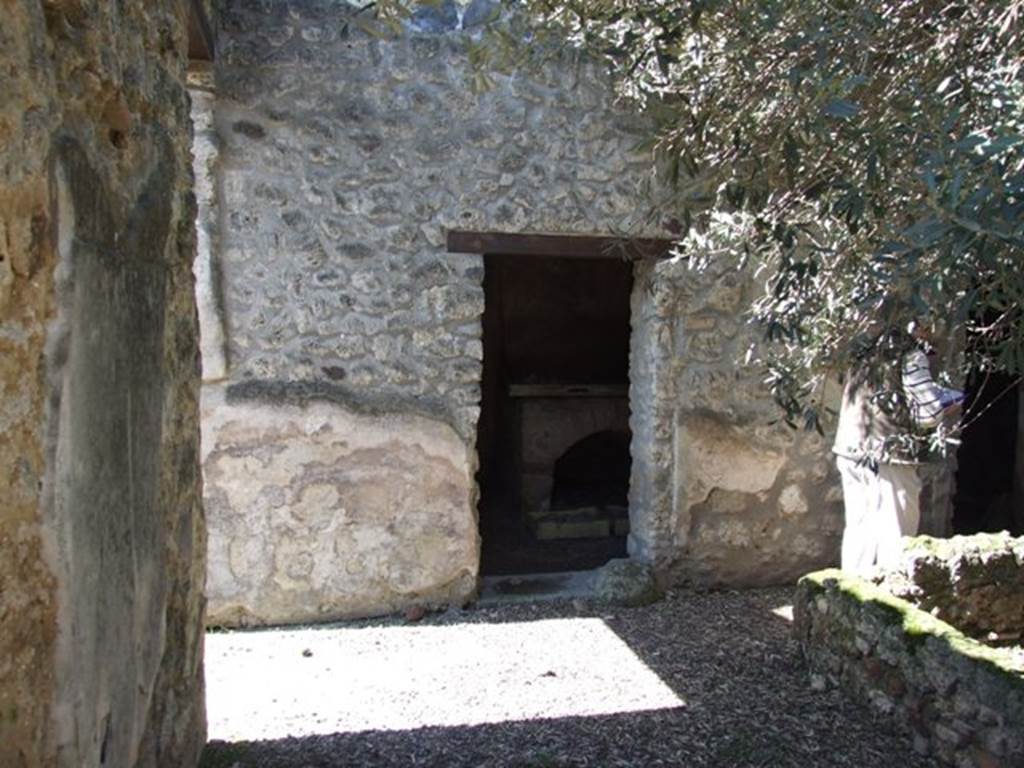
924,396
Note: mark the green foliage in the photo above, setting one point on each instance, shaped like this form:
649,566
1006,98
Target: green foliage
868,157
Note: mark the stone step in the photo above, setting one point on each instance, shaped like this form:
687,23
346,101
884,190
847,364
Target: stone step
536,586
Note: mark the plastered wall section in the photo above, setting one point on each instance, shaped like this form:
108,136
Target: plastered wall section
101,537
343,160
353,339
336,514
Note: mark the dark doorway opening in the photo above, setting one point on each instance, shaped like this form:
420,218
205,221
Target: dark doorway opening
988,487
553,436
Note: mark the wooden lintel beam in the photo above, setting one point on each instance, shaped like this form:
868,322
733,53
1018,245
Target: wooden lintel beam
566,246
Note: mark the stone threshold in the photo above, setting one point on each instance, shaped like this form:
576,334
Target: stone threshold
526,588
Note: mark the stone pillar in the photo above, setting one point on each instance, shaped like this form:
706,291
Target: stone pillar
102,543
652,420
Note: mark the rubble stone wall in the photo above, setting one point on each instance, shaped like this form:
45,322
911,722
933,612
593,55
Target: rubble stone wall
962,701
101,537
343,160
976,583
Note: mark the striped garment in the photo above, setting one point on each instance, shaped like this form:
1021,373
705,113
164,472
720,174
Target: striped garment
869,431
924,396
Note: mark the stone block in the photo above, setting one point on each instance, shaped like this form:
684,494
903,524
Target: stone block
626,582
974,582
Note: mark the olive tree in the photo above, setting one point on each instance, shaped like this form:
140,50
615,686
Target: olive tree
866,157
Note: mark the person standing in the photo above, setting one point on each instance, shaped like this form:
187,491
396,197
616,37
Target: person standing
879,449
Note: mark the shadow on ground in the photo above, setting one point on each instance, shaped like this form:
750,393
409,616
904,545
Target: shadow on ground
727,655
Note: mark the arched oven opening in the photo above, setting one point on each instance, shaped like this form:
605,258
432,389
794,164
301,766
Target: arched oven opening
591,480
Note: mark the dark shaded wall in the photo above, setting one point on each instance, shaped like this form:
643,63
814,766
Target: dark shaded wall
565,321
101,535
987,459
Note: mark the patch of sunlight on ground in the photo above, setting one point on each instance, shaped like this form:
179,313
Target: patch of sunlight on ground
270,684
784,612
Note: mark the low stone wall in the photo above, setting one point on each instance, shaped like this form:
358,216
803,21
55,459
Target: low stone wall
963,701
974,582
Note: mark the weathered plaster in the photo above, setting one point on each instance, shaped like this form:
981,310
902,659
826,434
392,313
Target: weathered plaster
318,512
721,491
205,159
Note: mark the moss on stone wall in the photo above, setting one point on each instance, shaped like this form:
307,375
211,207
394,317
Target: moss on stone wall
974,582
895,656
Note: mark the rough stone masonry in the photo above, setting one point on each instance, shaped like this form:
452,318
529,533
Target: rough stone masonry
339,431
101,536
963,702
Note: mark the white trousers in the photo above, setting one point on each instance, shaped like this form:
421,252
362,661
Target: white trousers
881,508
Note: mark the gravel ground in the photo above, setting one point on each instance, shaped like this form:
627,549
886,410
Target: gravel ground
699,679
